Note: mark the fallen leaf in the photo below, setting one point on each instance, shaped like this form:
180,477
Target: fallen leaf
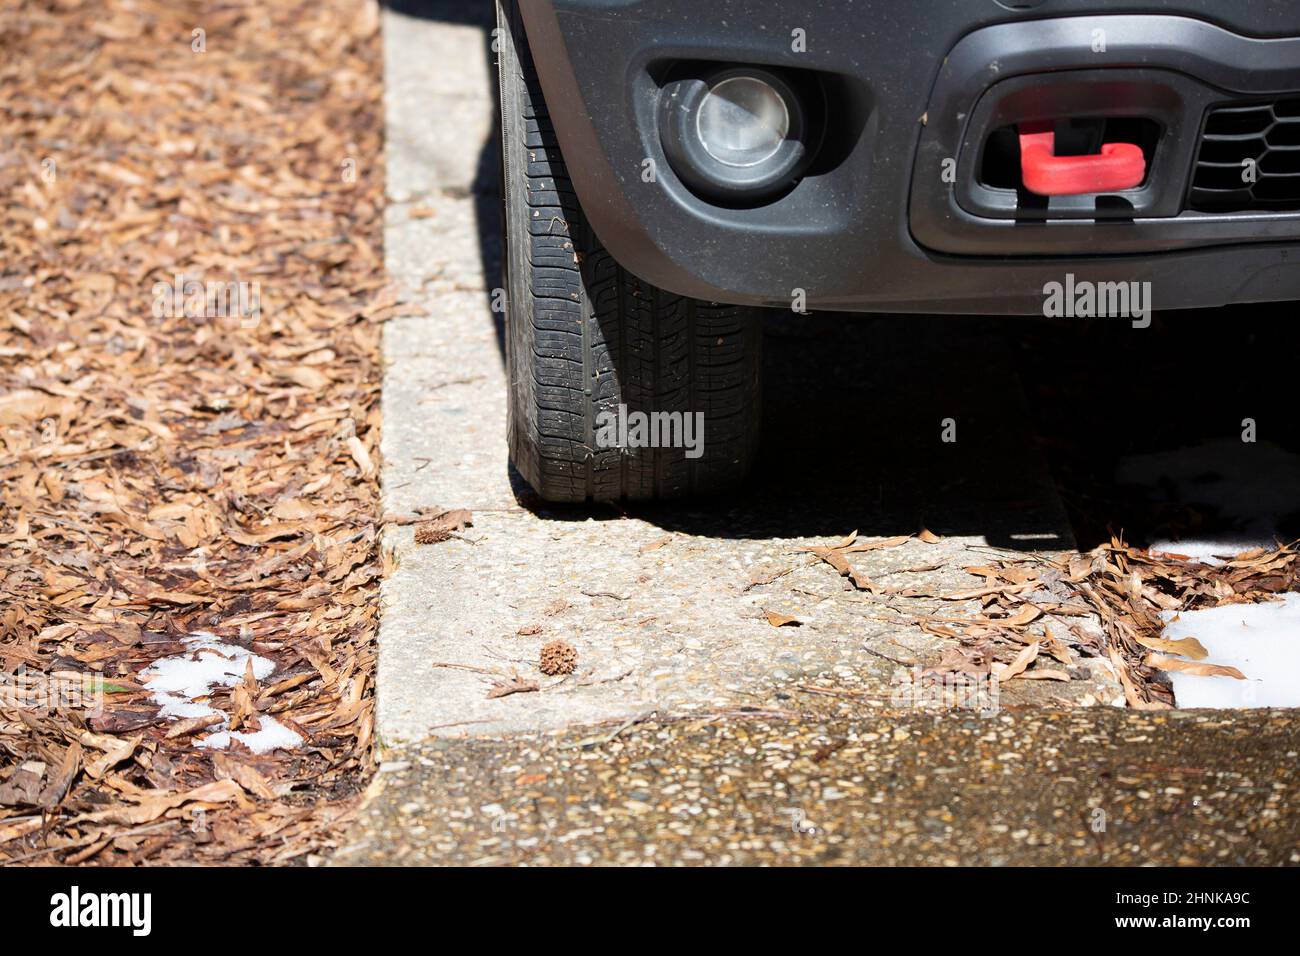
246,775
777,619
656,545
192,725
1166,663
1005,672
514,684
153,805
361,456
307,377
1186,647
1025,615
63,778
1130,689
1042,673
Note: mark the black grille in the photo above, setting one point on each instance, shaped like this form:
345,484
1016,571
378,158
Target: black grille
1269,134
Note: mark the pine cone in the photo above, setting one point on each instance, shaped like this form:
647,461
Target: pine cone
558,657
427,533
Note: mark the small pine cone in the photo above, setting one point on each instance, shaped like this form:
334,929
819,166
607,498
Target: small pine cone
558,657
428,533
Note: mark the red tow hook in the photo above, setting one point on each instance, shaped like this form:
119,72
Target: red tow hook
1118,166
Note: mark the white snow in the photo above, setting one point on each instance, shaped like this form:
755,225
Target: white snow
1211,552
1260,640
176,685
177,682
273,735
1248,486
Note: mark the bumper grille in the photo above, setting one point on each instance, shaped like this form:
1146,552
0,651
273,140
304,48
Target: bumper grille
1266,133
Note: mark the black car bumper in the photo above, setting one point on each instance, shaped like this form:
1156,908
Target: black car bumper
895,215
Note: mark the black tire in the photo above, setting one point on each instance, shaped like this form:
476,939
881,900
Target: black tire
584,336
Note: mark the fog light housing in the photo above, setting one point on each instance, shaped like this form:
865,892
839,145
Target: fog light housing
736,134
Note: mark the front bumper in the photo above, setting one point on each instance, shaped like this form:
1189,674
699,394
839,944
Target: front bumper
882,230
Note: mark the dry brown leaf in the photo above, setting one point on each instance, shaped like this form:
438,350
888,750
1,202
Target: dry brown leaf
777,619
116,750
243,698
656,544
307,377
835,557
1186,647
192,725
246,775
361,456
1166,663
1135,699
859,546
514,684
1041,673
1005,672
1025,615
152,806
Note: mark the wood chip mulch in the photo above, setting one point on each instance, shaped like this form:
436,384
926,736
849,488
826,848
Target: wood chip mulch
170,467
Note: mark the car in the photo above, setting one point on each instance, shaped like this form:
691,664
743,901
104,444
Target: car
671,168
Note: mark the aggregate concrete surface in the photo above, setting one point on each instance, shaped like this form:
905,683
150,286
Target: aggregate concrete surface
1094,786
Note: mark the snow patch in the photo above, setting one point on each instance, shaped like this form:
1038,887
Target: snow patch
177,683
1213,553
1260,640
273,735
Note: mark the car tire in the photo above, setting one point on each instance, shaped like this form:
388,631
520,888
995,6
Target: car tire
585,339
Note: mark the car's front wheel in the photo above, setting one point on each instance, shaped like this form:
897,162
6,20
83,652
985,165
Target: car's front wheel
618,390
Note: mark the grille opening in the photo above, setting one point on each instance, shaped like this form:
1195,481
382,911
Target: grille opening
1000,162
1239,122
1249,158
1281,162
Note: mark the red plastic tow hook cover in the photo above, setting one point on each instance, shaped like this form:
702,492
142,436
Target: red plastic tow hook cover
1118,166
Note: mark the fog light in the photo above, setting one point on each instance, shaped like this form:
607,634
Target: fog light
737,134
743,121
